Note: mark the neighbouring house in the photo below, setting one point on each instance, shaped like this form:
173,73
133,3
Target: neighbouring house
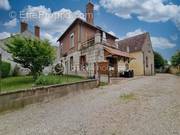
174,70
83,45
139,47
7,56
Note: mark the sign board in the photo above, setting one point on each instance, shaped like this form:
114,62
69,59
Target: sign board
103,67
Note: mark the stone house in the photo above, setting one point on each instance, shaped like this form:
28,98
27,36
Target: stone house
83,45
139,47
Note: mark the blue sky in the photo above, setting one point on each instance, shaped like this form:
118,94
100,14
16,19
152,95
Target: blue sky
124,18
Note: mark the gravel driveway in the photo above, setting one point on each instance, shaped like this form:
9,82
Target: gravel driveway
144,106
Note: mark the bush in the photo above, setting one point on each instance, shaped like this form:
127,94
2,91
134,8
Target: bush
5,68
47,80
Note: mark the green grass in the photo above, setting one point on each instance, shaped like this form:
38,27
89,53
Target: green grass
23,82
127,97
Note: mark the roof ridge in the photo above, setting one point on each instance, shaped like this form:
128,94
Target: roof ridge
127,38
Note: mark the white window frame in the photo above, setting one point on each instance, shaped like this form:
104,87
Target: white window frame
72,40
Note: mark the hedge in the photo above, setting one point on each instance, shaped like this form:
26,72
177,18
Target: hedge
5,68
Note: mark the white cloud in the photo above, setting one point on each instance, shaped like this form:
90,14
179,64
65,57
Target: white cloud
4,4
50,21
112,33
96,7
11,23
162,43
54,22
52,39
4,35
134,33
146,10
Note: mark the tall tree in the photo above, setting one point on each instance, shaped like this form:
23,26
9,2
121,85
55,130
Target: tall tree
158,60
31,53
175,59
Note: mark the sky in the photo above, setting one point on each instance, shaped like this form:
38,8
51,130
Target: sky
123,18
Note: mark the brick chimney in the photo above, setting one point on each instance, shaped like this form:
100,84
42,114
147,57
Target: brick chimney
24,26
37,31
90,13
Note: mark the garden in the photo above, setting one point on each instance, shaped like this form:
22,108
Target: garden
35,55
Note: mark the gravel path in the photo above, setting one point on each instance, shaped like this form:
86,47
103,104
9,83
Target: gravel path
152,109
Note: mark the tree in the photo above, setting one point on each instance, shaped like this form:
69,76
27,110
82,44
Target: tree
31,53
175,59
158,60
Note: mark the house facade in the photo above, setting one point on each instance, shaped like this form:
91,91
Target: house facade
83,45
139,47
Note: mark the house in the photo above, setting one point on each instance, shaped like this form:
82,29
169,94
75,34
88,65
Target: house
84,44
139,47
7,56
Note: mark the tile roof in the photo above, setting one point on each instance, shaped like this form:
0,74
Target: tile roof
117,52
134,43
86,23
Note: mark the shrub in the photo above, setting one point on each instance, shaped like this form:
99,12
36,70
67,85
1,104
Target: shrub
5,68
47,80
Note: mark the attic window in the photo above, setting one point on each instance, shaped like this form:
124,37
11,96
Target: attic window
104,36
72,40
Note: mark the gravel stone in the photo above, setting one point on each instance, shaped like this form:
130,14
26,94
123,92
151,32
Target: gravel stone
154,110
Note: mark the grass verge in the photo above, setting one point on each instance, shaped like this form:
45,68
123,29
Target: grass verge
24,82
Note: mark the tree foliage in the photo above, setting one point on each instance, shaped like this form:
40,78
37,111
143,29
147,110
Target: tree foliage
5,68
175,59
31,53
158,60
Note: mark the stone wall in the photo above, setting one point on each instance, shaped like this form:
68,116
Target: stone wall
19,99
93,54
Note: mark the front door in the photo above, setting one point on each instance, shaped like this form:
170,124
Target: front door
113,66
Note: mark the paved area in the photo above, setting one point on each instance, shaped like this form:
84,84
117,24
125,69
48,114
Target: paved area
144,106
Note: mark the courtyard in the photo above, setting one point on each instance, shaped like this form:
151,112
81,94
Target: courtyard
144,106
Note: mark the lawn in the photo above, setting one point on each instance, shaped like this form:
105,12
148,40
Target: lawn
22,82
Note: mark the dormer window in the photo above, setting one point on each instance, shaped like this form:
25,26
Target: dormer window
72,40
104,36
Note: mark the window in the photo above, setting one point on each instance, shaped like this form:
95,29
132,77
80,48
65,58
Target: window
71,63
61,49
146,61
72,40
82,63
104,36
127,49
